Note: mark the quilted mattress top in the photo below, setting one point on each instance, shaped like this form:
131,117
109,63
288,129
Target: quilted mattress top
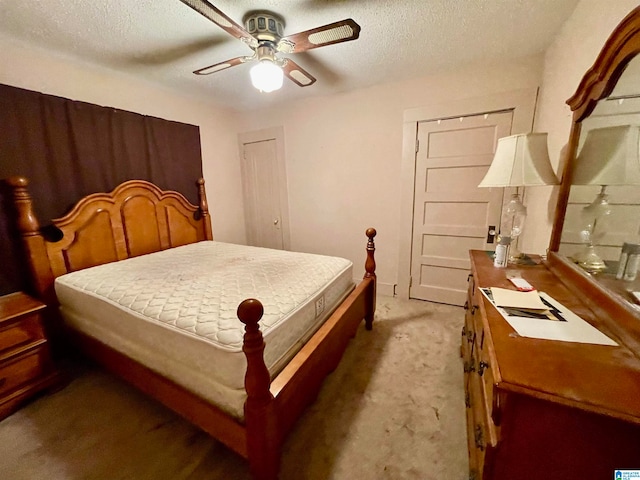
197,288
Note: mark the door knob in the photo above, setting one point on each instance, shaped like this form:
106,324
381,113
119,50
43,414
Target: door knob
276,221
491,233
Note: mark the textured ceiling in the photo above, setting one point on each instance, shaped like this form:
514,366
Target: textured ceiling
163,41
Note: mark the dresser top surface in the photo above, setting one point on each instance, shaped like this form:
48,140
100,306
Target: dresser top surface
601,378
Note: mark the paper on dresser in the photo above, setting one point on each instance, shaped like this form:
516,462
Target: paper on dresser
503,297
566,325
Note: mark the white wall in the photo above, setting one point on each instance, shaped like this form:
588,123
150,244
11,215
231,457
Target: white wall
31,69
572,53
344,154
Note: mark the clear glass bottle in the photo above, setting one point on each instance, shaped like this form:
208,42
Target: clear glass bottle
502,252
633,262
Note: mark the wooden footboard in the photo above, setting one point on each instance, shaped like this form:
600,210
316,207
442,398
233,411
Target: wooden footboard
272,407
299,383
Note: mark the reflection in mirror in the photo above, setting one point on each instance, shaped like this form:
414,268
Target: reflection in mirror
603,210
607,96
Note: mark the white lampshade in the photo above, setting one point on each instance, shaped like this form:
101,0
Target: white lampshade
609,156
266,76
520,160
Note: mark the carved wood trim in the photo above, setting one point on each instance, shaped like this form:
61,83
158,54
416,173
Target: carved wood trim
33,242
623,44
137,217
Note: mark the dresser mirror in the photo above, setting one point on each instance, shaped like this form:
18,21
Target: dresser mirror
609,139
598,208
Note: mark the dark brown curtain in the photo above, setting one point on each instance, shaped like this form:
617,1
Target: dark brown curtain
69,149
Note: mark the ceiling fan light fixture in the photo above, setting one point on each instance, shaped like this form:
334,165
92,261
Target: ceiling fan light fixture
266,76
263,32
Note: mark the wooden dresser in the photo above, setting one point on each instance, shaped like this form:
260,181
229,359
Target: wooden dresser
543,409
26,367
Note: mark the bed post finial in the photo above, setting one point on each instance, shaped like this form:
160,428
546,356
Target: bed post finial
263,441
370,272
204,209
370,264
257,378
28,224
32,240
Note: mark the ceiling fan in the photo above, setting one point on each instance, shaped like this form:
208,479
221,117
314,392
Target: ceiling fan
264,34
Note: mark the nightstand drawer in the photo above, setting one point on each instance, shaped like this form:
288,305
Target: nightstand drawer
21,332
21,369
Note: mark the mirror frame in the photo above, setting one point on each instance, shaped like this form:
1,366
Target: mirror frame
598,83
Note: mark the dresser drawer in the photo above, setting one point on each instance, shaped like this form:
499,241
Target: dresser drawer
20,332
22,369
484,367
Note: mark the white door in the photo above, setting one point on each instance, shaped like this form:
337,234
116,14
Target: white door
262,194
451,214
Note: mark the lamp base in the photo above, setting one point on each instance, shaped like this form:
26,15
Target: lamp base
515,255
590,261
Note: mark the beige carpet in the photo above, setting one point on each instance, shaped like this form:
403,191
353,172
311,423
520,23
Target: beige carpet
393,409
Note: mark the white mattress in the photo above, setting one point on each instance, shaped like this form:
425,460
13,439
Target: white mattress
175,310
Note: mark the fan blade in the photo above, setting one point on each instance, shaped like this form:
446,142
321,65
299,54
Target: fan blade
221,66
337,32
297,74
216,16
169,55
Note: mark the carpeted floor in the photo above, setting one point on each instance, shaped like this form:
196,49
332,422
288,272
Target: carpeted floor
393,409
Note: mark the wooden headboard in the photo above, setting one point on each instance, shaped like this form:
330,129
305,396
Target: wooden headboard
134,219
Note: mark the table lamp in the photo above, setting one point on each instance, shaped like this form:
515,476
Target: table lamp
519,161
609,156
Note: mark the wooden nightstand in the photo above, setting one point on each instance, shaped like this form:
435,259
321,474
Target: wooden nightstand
26,366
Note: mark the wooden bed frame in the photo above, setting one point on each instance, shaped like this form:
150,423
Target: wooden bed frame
138,218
